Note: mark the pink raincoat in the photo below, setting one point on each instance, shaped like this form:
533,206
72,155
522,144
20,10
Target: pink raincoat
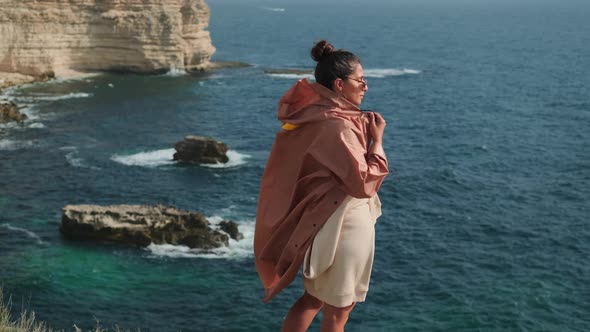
318,158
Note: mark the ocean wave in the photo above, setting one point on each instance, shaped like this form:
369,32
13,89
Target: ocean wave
7,144
8,125
30,111
385,72
147,159
68,148
51,97
27,232
293,76
72,160
215,76
235,250
373,73
75,161
235,159
36,125
274,9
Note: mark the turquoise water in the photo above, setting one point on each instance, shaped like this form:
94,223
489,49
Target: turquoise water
485,213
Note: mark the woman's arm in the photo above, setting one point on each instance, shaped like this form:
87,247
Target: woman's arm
358,171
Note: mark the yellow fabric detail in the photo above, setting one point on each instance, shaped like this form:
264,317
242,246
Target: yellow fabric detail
289,126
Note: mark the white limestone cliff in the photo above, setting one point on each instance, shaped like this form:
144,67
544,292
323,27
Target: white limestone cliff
60,36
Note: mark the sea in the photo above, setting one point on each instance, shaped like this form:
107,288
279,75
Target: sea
486,209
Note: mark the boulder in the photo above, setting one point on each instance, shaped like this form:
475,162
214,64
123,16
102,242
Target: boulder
9,112
231,228
140,225
200,150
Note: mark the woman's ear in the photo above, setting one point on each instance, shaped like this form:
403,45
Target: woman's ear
338,85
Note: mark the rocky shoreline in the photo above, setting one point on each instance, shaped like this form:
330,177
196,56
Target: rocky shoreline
8,80
9,110
15,79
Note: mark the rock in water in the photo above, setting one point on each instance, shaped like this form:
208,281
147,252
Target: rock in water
200,150
9,112
231,228
140,225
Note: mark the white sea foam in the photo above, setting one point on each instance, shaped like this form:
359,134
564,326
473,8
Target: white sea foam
385,72
235,159
147,159
7,125
51,97
36,125
215,76
68,148
274,9
7,144
74,160
293,76
30,234
174,72
165,157
30,111
236,250
373,73
111,85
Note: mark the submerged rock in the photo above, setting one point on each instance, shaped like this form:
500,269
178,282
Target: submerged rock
9,112
140,225
200,150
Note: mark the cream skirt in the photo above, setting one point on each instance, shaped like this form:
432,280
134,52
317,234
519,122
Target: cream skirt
337,266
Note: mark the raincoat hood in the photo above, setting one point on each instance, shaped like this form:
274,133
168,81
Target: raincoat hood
310,102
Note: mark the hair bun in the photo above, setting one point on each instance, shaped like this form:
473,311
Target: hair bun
321,50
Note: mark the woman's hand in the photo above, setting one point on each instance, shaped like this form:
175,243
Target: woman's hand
376,127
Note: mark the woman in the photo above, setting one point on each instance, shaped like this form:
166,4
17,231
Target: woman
318,196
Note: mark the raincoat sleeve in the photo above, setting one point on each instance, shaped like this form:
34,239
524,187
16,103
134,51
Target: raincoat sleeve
359,172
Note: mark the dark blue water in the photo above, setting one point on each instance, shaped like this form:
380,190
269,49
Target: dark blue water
485,213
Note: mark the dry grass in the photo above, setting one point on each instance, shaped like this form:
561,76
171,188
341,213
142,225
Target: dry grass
27,322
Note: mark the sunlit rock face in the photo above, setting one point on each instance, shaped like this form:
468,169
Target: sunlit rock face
146,36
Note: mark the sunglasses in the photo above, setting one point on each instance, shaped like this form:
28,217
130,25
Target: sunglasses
362,81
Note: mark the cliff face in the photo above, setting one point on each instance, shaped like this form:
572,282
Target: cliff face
40,36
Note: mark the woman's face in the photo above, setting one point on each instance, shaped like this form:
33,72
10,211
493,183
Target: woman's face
354,86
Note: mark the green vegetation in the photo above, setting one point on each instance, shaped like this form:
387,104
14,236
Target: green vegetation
27,323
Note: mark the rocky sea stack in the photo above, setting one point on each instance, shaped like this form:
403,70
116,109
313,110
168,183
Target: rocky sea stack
200,150
142,225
